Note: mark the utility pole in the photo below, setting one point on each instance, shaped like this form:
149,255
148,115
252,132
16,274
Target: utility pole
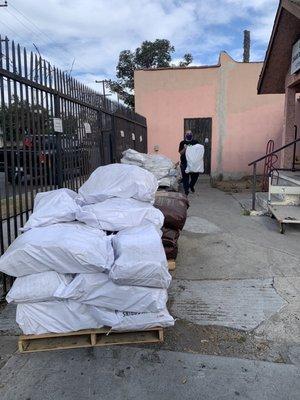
103,88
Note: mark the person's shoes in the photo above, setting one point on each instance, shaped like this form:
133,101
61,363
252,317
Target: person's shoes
192,189
186,193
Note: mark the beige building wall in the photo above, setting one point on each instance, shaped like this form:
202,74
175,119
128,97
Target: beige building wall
242,121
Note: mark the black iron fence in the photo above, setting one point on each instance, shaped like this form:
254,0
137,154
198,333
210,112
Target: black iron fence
53,132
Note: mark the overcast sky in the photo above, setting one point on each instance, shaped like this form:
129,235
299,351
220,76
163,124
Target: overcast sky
95,31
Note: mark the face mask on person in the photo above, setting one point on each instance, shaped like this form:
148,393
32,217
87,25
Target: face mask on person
188,136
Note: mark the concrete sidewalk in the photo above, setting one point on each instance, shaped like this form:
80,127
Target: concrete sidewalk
236,298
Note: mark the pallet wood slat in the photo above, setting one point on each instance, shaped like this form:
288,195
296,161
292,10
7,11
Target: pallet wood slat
87,338
171,265
93,339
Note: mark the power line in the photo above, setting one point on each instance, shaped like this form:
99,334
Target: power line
13,31
62,48
20,21
28,29
31,22
31,31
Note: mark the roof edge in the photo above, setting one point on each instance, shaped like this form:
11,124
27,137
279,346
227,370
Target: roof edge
181,68
218,65
293,9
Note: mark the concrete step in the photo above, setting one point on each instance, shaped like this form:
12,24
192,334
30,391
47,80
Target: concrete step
288,178
262,199
285,200
288,188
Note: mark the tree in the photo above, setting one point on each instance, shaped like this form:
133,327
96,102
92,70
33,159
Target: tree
20,118
157,54
187,59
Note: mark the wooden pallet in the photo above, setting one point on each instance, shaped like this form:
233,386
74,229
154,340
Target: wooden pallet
87,338
171,265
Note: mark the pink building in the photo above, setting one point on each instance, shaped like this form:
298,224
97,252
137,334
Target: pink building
219,103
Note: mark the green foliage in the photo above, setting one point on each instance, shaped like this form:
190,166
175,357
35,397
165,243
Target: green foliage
187,59
70,125
156,54
19,119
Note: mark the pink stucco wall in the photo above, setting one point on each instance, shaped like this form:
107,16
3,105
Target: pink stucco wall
242,121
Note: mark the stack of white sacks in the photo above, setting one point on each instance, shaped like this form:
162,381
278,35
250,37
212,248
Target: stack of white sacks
161,166
74,273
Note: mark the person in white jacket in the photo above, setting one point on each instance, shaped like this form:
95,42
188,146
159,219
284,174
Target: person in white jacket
188,179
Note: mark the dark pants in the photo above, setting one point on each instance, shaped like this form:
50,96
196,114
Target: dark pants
188,180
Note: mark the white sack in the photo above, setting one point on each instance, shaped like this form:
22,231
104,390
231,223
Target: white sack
118,180
55,317
160,165
133,157
66,248
52,207
169,181
98,290
116,214
141,321
131,321
37,287
140,258
194,157
106,317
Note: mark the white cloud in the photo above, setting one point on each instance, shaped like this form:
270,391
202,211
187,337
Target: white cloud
95,31
262,30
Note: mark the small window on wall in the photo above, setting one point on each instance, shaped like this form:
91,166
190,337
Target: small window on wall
122,133
141,138
133,136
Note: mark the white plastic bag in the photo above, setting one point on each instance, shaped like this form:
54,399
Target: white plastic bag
141,321
55,317
118,180
52,207
160,165
106,317
140,258
116,214
194,157
133,157
131,321
70,247
169,181
37,287
98,290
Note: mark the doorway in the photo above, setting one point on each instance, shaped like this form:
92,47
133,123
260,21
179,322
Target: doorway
201,129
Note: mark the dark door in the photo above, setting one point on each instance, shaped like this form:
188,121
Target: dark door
201,129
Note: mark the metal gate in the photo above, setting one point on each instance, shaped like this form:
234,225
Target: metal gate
54,131
201,129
